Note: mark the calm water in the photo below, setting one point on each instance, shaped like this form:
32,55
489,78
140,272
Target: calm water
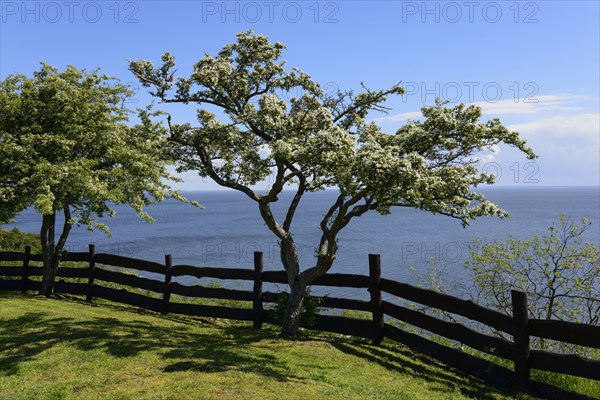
229,230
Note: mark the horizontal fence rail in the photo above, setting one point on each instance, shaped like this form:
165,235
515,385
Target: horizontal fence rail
208,272
566,364
129,263
103,270
466,308
451,330
581,334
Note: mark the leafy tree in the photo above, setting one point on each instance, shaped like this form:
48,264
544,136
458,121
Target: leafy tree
66,147
558,271
316,140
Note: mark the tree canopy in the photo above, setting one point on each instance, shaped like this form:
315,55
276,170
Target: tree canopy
317,140
66,145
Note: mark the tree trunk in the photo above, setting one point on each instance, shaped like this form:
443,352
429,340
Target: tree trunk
52,251
47,242
293,311
47,287
290,259
298,282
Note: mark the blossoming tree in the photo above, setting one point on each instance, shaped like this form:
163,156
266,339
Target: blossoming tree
317,140
66,147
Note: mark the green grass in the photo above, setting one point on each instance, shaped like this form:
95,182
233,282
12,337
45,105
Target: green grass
65,348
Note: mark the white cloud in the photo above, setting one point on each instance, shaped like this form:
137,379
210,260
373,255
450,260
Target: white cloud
529,105
568,147
580,126
533,105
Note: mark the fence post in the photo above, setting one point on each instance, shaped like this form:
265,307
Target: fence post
167,290
521,336
91,272
257,304
26,269
376,301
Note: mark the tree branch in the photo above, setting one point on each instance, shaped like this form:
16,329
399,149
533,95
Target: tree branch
63,236
294,204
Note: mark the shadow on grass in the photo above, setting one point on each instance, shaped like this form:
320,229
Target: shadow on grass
215,350
405,362
203,345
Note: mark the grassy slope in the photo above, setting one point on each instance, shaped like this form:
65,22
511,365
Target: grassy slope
55,349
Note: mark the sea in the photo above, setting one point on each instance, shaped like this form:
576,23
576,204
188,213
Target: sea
229,229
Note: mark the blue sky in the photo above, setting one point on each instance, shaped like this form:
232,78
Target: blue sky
535,65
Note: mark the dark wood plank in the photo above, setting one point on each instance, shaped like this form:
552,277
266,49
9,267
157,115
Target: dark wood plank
275,277
342,280
25,274
33,285
337,280
451,330
11,256
11,271
127,262
36,257
129,280
212,311
70,287
345,304
376,300
92,272
11,284
575,333
210,272
345,326
167,283
211,293
475,366
466,308
65,272
36,271
326,302
123,296
76,257
257,304
570,364
521,337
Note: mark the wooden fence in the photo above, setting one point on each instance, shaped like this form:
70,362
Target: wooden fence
519,326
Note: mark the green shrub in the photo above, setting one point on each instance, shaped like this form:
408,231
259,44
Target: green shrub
310,312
